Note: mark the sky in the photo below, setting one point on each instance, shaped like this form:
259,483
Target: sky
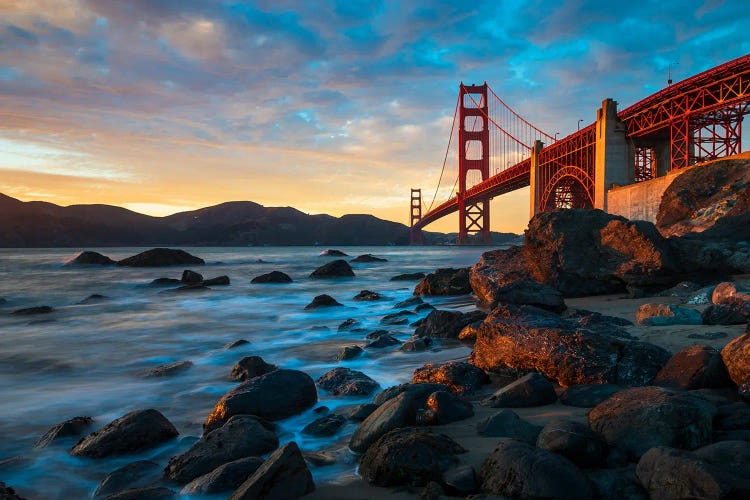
329,106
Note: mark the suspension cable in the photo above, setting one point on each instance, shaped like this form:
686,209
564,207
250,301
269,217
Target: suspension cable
447,150
519,116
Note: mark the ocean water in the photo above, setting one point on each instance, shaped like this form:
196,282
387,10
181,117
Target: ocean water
87,359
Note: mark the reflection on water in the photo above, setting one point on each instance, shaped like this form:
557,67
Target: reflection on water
86,358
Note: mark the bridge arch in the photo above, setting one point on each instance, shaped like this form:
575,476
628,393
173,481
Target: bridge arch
569,187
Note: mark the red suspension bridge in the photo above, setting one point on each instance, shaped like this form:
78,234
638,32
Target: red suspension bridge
692,121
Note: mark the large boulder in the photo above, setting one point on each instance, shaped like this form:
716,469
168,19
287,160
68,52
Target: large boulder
516,469
529,339
637,419
242,436
447,281
736,356
532,293
346,382
694,367
588,395
444,407
409,456
460,376
573,440
133,432
418,391
333,269
273,396
446,324
530,390
224,478
283,475
496,270
157,257
736,312
89,258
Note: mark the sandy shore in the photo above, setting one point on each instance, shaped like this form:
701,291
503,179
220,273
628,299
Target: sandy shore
672,338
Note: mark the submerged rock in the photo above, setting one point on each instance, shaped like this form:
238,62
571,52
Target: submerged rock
217,281
408,277
334,269
349,352
140,474
323,300
32,311
89,258
191,277
346,382
272,277
283,475
73,427
368,257
165,282
325,426
333,253
445,281
250,367
158,257
168,370
367,295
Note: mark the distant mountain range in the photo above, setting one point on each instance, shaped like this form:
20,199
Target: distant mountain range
237,223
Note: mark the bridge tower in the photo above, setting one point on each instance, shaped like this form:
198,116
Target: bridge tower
473,135
415,215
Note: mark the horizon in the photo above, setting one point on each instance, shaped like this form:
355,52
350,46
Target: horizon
161,107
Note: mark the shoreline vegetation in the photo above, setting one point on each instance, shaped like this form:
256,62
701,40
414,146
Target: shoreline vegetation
609,359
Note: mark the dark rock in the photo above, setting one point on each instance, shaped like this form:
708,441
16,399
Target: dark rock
497,269
148,493
681,289
507,424
640,418
410,302
198,287
408,277
734,416
250,367
368,258
409,457
191,277
349,352
322,301
397,318
283,475
333,253
140,474
227,477
527,292
346,382
461,480
32,311
73,427
447,324
518,470
444,407
165,282
361,412
236,343
736,356
459,376
573,440
424,307
729,293
367,295
158,257
322,458
93,299
665,314
530,390
272,277
89,258
324,426
242,436
381,341
416,344
348,324
133,432
373,335
445,282
731,456
695,367
728,313
217,281
588,396
333,269
431,491
168,370
419,391
617,484
273,396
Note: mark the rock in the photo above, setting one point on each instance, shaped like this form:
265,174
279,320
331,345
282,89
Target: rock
446,324
695,367
446,281
431,491
664,315
518,470
526,338
322,458
91,299
728,313
333,269
617,484
418,391
733,416
527,292
89,258
235,343
140,474
588,396
701,297
165,282
444,407
250,367
573,440
217,281
681,289
349,352
469,332
322,301
416,344
367,295
637,419
530,390
408,277
398,318
409,457
73,427
410,302
272,277
459,376
727,293
394,413
133,432
360,412
168,370
242,436
191,277
33,311
667,473
7,493
148,493
461,480
368,257
283,475
497,269
276,395
373,335
227,477
381,341
731,456
348,324
736,356
424,307
507,424
333,253
324,426
346,382
158,257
